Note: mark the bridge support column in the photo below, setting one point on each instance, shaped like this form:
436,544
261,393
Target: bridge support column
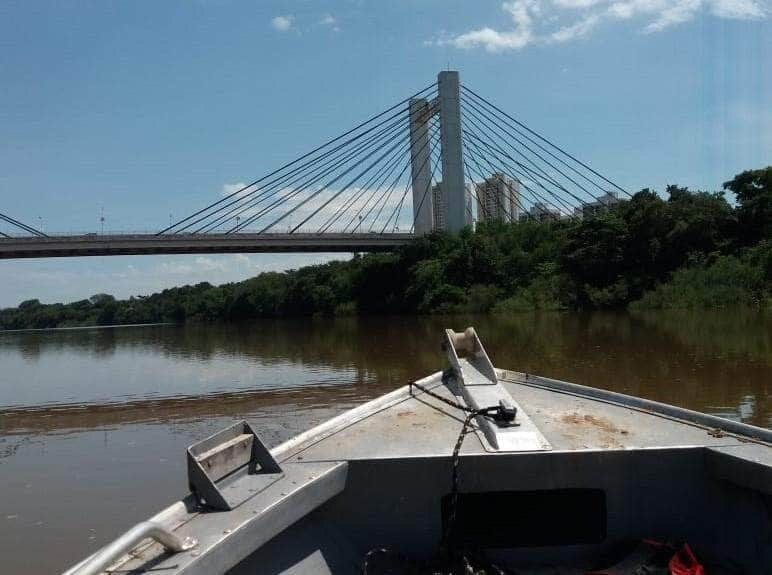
450,138
421,166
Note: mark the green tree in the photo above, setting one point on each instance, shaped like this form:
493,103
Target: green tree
753,189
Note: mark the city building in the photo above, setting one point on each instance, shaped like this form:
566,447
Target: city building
498,198
603,202
438,207
469,216
540,211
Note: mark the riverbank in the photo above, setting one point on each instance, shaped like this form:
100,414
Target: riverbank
693,250
85,327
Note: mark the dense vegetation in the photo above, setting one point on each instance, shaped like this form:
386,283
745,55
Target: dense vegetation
690,250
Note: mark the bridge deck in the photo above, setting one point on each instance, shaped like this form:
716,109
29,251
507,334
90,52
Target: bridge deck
144,244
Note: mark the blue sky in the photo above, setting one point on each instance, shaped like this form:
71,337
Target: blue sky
146,109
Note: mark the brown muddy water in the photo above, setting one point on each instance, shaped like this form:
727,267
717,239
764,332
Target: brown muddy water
94,423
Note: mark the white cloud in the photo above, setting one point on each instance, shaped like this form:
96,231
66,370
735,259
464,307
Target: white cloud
238,188
329,21
557,21
575,30
282,23
738,9
521,12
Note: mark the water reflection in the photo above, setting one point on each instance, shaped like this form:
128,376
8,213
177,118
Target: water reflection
719,362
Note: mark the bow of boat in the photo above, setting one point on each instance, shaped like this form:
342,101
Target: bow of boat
535,472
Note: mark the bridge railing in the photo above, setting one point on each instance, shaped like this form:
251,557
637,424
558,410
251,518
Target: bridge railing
63,235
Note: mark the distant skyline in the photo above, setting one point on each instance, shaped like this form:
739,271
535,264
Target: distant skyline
147,111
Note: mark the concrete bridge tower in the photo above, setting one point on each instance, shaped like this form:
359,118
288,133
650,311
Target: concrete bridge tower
448,106
449,109
421,165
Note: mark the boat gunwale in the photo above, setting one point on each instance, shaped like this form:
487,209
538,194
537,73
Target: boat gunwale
751,433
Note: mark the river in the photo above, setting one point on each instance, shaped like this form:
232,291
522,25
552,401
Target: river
94,422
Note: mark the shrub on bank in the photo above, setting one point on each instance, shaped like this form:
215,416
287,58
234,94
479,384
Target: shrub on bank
724,282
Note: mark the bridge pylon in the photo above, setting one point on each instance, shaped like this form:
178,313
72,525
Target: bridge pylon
449,109
447,105
421,165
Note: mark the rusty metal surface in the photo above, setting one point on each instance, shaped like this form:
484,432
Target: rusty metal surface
571,422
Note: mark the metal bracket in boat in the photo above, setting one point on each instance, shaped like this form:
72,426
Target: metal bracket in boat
480,388
229,467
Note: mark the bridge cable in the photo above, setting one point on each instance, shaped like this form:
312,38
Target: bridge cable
480,171
22,225
537,167
535,197
300,183
303,157
337,194
384,201
480,204
437,161
290,179
386,168
366,146
473,116
434,141
556,147
566,205
296,193
331,183
477,154
385,198
375,191
466,145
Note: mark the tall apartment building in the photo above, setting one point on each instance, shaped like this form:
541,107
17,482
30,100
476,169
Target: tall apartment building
540,211
438,206
601,203
498,198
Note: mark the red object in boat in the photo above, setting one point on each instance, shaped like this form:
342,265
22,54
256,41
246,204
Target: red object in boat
685,563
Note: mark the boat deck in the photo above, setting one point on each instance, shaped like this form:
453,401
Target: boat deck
422,426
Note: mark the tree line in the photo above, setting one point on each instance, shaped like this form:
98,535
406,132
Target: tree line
690,249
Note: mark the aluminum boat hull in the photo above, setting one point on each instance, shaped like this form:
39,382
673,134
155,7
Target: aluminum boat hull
606,469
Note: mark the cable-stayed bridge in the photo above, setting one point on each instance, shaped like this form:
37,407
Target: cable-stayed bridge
442,158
